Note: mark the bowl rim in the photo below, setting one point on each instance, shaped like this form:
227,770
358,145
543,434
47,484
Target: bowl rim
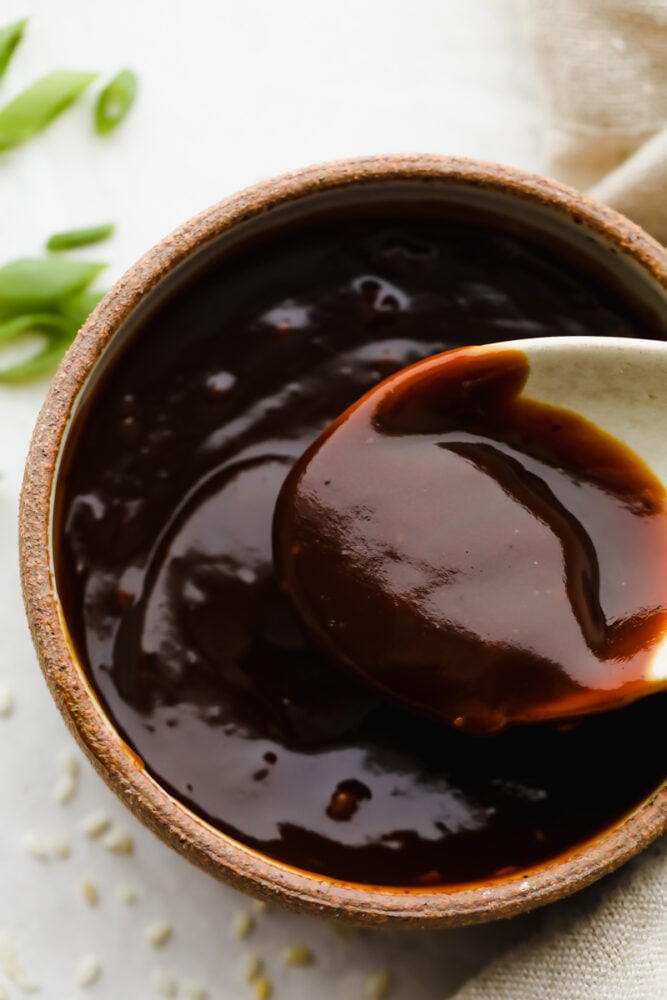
121,768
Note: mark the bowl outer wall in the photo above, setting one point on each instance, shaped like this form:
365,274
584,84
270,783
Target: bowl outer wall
119,766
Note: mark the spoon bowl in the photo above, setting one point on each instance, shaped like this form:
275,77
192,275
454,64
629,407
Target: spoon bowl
482,537
614,382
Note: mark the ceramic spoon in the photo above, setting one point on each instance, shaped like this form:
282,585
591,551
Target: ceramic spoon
483,536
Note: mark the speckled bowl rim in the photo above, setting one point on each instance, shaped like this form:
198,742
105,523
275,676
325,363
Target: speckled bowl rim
118,765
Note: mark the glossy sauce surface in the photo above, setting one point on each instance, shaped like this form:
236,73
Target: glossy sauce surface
165,566
476,555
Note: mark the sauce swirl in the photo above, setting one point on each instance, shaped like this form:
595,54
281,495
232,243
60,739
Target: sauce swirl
164,561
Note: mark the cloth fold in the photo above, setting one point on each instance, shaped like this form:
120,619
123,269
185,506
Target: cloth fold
609,943
603,65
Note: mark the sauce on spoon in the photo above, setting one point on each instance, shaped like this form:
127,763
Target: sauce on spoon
477,556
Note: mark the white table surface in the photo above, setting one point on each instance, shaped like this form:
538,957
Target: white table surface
230,92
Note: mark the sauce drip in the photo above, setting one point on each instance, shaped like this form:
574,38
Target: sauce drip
164,564
478,556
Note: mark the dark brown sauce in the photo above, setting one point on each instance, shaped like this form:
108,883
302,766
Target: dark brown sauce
478,556
164,562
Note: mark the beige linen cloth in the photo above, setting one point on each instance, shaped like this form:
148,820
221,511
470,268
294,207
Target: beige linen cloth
604,69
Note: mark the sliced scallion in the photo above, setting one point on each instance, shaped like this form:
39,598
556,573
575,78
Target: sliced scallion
77,308
38,322
75,238
58,334
41,363
40,285
39,104
10,36
115,101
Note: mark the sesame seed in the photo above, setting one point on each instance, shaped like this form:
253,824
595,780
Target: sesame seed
64,789
69,762
263,988
253,966
126,894
193,991
12,968
158,933
243,924
36,846
58,846
88,971
164,983
118,841
379,985
6,703
298,954
95,824
45,846
66,786
89,892
26,985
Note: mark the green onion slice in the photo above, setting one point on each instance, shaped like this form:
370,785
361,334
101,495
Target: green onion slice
74,238
31,286
78,308
39,104
115,101
58,335
41,363
39,322
59,330
10,36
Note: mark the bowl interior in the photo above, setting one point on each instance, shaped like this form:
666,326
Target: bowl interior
603,249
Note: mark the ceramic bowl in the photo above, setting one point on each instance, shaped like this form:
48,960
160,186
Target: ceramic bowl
608,241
